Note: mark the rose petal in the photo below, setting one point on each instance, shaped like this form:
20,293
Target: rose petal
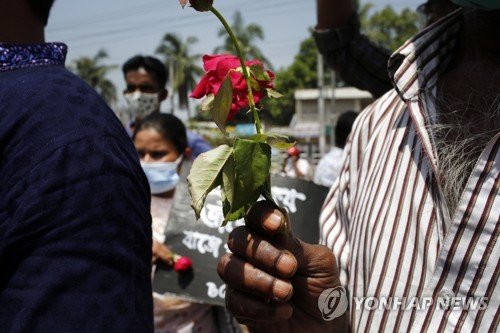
201,89
238,80
254,62
226,64
210,61
271,75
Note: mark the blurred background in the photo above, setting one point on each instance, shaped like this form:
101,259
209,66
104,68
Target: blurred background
103,34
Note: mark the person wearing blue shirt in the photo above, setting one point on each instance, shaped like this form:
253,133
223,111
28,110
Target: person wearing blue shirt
75,227
146,78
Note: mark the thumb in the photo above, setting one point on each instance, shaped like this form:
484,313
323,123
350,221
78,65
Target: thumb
274,223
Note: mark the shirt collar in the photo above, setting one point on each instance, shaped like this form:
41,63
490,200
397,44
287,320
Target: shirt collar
15,56
415,66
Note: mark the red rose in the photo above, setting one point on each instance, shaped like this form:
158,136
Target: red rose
217,67
182,264
201,5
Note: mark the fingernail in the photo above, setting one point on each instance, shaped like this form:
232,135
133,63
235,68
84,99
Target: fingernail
286,264
273,221
281,290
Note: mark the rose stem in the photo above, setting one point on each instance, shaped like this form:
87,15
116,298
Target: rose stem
246,75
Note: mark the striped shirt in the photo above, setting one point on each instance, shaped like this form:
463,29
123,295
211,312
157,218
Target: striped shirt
387,221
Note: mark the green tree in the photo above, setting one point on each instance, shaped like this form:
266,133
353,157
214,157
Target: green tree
387,27
92,71
176,54
247,35
299,75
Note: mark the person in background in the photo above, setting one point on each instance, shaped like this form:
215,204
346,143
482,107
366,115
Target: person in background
146,78
161,142
358,60
328,168
75,229
296,167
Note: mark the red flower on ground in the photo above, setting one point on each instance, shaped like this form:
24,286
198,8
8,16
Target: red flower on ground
217,68
182,264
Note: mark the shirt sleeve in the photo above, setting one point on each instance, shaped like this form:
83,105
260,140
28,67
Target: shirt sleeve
197,144
78,252
359,61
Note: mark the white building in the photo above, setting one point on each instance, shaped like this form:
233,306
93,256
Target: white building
306,124
346,98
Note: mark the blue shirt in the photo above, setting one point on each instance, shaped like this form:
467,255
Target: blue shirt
197,144
75,228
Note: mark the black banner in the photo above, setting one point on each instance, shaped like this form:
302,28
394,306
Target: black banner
204,241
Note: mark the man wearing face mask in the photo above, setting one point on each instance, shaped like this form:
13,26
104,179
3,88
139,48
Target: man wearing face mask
146,78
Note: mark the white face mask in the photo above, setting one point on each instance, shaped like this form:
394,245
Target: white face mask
142,104
162,176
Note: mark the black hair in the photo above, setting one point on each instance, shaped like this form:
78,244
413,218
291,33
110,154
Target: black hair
151,65
169,126
344,127
41,9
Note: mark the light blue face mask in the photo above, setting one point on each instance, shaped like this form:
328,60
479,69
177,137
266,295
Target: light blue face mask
162,176
478,4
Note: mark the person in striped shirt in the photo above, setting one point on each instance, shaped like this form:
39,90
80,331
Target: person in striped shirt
414,214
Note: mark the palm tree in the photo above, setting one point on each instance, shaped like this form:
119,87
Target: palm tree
247,36
92,71
176,54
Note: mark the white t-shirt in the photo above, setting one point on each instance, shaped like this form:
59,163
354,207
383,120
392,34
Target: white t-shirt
302,165
328,168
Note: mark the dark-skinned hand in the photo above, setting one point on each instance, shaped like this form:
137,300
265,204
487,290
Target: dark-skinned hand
274,279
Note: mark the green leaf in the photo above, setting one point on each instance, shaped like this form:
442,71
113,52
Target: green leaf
230,215
235,198
259,73
277,141
234,216
255,84
271,93
208,103
228,182
205,175
222,104
281,143
243,176
252,162
259,138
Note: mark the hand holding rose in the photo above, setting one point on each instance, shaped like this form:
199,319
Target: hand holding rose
274,279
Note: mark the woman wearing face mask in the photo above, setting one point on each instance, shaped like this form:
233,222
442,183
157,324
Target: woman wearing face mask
161,142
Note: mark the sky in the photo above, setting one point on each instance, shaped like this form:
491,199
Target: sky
125,28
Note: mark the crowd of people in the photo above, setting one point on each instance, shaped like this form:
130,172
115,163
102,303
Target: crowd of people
413,208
